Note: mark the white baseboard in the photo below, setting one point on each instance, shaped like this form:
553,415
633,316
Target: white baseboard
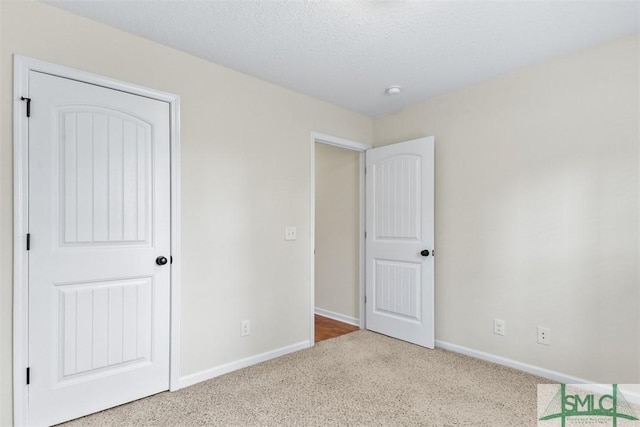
192,379
559,377
337,316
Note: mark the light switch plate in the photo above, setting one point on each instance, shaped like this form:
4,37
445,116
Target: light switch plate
290,233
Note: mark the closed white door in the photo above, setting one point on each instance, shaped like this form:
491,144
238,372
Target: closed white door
99,219
399,244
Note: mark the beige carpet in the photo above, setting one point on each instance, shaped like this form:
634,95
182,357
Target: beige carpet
359,379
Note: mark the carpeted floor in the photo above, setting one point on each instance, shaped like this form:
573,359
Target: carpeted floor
358,379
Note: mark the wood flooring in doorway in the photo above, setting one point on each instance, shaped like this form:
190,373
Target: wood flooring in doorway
328,328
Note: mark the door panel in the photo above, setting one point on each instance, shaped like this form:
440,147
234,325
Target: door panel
397,192
99,215
104,163
399,280
398,290
103,325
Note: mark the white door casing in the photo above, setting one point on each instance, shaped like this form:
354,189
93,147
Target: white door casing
321,138
400,225
99,215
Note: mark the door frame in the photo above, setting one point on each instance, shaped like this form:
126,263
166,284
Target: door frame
320,138
21,67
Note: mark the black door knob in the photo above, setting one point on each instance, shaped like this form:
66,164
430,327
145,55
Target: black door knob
161,260
424,252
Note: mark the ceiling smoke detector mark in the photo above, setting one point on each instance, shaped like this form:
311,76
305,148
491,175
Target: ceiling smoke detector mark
393,90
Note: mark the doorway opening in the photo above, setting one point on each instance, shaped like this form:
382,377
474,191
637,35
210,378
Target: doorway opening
337,236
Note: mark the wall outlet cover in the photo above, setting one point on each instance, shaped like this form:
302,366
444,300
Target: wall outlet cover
245,328
544,336
290,233
499,327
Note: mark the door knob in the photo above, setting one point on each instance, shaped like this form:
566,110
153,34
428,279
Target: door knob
161,260
424,252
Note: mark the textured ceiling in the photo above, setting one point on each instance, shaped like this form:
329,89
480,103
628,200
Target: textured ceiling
348,52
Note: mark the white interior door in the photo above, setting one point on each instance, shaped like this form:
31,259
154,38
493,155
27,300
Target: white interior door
399,244
99,217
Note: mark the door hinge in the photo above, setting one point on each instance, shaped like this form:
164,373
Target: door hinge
365,299
28,241
171,259
22,98
365,234
28,376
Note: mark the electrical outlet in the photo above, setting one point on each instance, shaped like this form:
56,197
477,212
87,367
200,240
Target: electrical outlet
499,327
544,335
245,328
290,233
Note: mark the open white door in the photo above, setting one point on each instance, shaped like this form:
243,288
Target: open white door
99,224
399,244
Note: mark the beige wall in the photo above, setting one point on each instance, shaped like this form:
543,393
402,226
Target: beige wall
245,176
337,287
537,211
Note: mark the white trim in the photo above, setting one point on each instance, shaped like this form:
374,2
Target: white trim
22,66
189,380
531,369
312,239
176,247
339,142
337,316
20,259
317,137
361,250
